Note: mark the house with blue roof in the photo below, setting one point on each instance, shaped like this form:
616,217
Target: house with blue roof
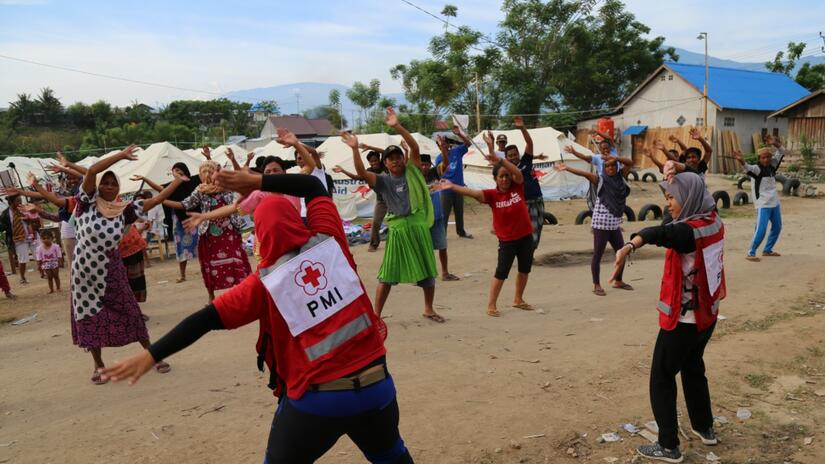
739,102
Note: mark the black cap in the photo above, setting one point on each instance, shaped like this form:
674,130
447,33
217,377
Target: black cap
391,150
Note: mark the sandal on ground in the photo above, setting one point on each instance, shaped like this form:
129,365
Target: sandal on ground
524,306
97,379
372,249
755,259
624,286
180,280
450,278
162,367
770,253
435,318
467,236
600,292
493,313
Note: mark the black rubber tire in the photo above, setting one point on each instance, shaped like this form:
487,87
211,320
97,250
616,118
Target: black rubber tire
634,175
549,219
741,181
649,175
723,195
648,208
741,198
782,180
628,212
582,216
790,187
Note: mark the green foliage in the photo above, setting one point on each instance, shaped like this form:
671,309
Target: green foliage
811,77
270,106
43,125
548,56
785,66
365,96
806,151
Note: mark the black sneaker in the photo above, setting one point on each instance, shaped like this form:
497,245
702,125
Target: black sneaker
708,436
658,452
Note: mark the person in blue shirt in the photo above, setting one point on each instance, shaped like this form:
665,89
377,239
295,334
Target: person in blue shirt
438,231
454,172
532,190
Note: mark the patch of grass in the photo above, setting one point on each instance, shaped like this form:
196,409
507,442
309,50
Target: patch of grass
816,351
759,381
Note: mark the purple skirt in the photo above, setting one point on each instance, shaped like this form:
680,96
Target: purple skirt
120,322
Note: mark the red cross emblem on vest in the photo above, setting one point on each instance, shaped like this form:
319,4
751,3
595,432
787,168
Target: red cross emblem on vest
311,277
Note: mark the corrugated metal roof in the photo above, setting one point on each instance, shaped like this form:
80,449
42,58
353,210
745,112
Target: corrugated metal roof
741,89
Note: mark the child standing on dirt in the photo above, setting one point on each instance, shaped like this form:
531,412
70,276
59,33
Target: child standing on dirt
511,223
765,196
693,285
48,257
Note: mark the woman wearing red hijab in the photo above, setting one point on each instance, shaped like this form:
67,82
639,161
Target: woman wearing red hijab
318,332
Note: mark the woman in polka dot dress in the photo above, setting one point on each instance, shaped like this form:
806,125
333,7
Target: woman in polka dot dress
220,245
104,310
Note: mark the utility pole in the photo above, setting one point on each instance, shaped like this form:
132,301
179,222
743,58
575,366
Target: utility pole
478,104
704,36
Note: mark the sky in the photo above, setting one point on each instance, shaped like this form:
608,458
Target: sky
211,47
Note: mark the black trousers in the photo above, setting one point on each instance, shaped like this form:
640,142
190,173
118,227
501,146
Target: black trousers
680,350
298,437
450,200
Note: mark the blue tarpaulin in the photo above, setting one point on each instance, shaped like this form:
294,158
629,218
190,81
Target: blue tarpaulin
634,130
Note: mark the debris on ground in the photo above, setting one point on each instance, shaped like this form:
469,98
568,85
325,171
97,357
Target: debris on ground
25,320
630,428
609,438
743,413
652,426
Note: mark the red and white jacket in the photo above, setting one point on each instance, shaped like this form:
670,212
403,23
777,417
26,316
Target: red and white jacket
703,288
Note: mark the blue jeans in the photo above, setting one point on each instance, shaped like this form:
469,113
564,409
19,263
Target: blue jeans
763,216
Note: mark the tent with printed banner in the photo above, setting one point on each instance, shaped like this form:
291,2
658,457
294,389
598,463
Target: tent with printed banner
155,163
354,198
547,141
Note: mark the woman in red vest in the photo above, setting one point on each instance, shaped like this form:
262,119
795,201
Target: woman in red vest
319,334
693,284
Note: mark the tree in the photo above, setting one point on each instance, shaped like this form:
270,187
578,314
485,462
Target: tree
80,115
269,106
49,108
563,55
23,111
326,112
449,11
365,96
785,66
812,77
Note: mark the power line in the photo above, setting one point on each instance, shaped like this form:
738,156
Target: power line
448,24
107,76
745,54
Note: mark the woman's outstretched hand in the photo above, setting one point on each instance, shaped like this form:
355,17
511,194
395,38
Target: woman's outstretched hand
243,181
621,257
131,369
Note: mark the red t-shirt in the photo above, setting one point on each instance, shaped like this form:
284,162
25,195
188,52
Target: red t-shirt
511,220
250,301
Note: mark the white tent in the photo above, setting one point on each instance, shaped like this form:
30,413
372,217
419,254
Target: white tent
88,161
546,140
155,163
272,148
24,165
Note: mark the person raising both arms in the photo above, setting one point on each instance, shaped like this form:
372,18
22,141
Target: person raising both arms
454,172
696,160
408,254
222,258
327,361
511,223
532,190
608,210
380,210
765,196
104,312
693,285
606,151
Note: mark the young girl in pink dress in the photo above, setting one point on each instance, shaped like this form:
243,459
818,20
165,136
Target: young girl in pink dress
48,257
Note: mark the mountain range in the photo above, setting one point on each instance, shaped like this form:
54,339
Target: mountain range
301,96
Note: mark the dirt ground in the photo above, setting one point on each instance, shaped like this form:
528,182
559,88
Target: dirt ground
538,387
